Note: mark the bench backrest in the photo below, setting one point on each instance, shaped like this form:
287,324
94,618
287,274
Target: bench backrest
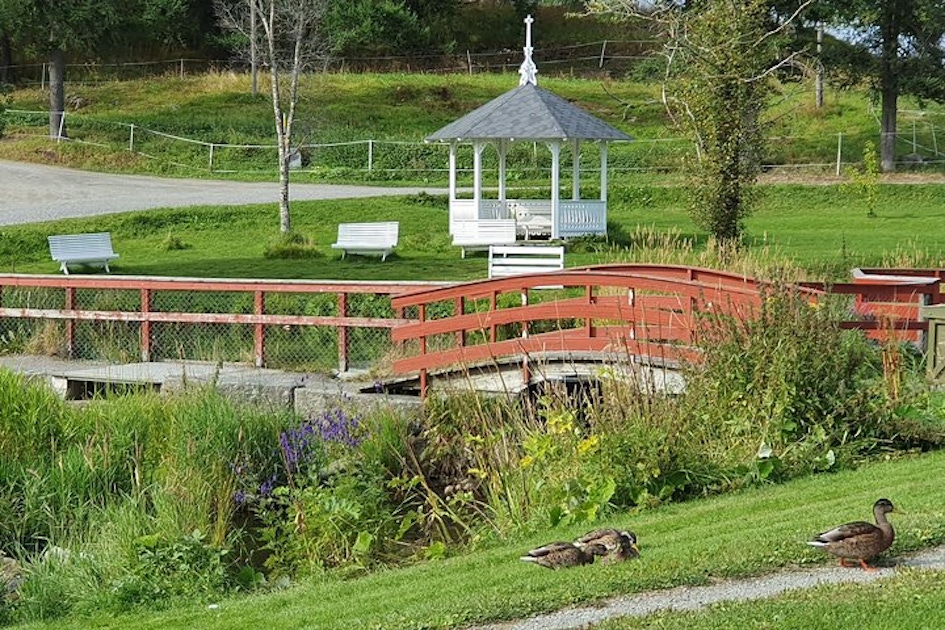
511,260
485,231
78,246
383,233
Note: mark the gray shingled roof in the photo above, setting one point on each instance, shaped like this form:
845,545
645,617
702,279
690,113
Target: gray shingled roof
528,113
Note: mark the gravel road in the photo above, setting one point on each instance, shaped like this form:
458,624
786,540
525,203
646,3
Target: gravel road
33,192
695,597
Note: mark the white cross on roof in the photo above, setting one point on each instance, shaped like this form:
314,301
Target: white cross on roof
528,71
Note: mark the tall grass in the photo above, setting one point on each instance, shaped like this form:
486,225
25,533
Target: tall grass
99,488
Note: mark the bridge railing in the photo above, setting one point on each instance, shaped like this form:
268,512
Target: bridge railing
630,309
625,309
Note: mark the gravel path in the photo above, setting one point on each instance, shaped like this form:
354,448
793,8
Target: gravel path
695,597
33,192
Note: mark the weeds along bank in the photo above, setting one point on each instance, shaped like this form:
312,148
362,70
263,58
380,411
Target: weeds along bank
143,501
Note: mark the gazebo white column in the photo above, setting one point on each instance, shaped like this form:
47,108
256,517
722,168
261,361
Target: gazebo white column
576,169
603,171
555,184
503,148
477,176
452,172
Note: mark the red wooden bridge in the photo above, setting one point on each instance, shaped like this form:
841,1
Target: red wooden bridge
637,312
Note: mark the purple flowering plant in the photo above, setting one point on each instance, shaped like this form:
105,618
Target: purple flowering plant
302,452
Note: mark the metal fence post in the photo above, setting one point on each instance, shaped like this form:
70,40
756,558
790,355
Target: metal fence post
131,138
839,150
70,323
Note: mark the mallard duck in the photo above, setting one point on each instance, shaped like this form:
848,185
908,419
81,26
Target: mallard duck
620,545
860,540
559,555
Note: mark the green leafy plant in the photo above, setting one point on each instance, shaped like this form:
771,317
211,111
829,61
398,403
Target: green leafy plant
173,242
865,179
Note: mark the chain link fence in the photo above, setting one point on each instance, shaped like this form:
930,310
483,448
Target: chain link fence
294,325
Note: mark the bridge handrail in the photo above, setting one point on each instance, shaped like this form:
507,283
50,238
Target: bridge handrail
888,303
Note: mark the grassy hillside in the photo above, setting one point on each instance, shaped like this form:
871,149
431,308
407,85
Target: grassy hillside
403,108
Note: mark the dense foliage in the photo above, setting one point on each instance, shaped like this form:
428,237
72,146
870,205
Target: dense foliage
113,503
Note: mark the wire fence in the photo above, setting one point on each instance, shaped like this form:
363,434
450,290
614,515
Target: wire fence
611,56
918,144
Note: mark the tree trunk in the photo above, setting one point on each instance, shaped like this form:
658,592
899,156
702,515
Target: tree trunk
889,86
57,94
7,74
285,217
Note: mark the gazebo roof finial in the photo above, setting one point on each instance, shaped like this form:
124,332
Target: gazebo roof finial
528,71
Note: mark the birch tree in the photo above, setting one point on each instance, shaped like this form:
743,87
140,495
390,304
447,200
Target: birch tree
290,37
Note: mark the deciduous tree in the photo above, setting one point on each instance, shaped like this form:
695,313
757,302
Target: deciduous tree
900,52
291,36
720,57
56,31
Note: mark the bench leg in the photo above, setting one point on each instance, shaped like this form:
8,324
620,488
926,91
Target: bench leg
64,268
107,270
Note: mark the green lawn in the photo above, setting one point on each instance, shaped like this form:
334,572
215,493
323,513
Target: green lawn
823,229
341,108
741,534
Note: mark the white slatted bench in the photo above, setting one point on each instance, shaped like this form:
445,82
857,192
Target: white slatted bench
479,235
93,249
512,260
378,238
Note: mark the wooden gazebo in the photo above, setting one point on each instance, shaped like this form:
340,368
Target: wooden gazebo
531,114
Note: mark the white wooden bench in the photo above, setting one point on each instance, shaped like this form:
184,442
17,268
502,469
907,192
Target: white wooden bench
82,249
531,221
367,238
512,260
479,235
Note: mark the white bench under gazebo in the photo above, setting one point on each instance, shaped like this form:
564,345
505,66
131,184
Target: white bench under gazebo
530,114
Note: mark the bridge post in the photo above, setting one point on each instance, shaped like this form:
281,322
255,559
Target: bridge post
70,323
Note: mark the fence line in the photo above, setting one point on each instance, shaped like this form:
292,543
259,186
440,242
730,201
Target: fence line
922,151
297,324
598,55
276,323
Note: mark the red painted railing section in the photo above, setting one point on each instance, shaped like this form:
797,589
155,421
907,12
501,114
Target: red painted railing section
635,309
185,293
624,309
